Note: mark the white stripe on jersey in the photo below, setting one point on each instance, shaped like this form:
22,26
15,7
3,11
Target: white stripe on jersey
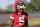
12,17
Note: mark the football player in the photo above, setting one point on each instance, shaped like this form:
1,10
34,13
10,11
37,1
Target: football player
19,18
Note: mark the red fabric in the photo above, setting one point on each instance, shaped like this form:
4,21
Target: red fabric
19,19
19,0
12,15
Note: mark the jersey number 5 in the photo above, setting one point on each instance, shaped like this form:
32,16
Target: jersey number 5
20,20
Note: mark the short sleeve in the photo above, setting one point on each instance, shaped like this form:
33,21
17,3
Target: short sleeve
26,15
12,16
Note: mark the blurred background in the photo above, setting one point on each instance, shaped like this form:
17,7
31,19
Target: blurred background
32,7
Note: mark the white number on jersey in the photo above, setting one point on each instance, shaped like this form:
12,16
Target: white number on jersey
21,20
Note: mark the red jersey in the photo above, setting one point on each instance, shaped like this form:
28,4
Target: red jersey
19,19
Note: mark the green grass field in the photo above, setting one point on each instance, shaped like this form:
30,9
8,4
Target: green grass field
34,22
31,22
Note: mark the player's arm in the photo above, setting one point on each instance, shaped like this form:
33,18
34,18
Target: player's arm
12,19
26,23
26,20
11,23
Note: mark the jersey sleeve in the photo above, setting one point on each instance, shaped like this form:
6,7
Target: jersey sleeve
12,17
26,15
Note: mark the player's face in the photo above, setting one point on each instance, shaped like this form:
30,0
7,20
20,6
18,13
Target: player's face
20,10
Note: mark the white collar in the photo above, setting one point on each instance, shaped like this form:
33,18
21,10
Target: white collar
19,13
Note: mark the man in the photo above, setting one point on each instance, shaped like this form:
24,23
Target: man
19,18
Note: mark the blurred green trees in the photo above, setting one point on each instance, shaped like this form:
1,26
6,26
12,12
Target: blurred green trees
34,5
9,6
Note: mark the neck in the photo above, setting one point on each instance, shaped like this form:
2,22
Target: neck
19,12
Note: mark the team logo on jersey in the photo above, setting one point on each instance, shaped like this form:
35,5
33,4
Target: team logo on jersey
24,15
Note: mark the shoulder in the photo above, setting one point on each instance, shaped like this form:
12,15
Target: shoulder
26,13
12,14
